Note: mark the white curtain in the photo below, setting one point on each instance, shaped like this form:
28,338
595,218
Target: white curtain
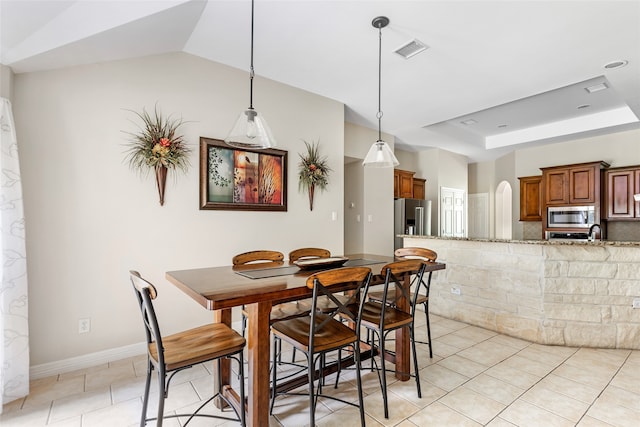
14,328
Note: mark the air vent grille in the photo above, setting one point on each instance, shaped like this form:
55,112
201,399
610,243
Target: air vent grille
410,49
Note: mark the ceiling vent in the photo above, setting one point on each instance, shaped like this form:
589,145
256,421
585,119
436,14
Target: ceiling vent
410,49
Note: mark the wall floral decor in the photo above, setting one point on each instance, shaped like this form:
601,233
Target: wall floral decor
313,171
157,147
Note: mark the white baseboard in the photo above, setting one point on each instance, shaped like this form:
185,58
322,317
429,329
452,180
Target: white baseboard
86,361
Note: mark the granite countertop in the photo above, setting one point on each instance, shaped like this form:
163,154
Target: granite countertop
530,242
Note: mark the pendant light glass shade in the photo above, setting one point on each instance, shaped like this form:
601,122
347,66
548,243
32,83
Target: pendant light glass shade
380,154
250,129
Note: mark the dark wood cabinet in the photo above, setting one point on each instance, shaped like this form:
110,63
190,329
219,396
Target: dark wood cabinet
406,186
531,198
573,184
621,185
419,188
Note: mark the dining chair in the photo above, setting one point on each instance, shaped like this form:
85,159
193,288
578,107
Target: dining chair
381,318
417,285
320,332
171,354
308,253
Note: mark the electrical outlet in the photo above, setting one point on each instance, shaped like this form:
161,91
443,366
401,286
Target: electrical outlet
84,325
636,303
455,291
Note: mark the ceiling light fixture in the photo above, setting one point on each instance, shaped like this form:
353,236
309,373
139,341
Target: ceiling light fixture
469,122
250,129
380,155
583,106
596,88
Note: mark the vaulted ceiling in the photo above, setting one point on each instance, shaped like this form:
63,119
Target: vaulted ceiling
497,75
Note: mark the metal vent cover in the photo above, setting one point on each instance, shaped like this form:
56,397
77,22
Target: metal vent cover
410,49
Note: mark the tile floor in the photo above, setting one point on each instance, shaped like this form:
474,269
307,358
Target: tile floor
476,377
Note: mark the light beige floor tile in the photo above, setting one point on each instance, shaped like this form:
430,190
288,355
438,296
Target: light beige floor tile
443,350
70,422
524,414
47,391
475,333
406,423
399,408
589,375
438,414
472,404
79,404
36,416
513,376
101,378
408,391
494,388
488,353
599,357
542,354
14,405
442,377
628,378
456,341
462,366
348,416
588,421
617,396
557,403
293,411
130,388
499,422
84,371
452,325
616,415
510,341
120,414
180,395
537,368
209,409
567,387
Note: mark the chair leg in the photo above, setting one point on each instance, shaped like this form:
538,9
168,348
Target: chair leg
426,312
243,420
145,400
312,400
162,394
356,354
415,360
273,375
383,378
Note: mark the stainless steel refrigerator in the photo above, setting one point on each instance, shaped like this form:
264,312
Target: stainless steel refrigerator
411,216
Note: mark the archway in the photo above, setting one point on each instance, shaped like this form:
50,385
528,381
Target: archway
503,211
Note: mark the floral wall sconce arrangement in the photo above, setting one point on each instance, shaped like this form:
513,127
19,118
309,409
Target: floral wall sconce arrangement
157,147
313,171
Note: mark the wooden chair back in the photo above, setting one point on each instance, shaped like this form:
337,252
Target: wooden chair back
421,253
308,253
394,274
257,256
145,294
326,284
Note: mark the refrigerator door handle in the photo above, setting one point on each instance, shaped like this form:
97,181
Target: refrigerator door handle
419,210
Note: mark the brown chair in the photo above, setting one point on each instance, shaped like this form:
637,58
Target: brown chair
319,332
171,354
308,253
268,258
382,317
425,255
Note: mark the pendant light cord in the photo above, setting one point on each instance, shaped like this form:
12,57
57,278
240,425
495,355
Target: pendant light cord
379,115
251,72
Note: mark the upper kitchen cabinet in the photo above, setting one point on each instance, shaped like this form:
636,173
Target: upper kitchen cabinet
405,186
530,198
572,184
621,185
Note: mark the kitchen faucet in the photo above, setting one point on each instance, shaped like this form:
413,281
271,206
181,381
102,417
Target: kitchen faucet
592,232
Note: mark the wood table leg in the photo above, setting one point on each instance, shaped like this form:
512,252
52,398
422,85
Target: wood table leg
403,339
222,316
258,345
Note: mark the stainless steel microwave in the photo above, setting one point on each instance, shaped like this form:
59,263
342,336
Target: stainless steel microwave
570,216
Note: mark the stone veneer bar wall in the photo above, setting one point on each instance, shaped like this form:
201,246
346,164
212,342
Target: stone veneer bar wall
565,293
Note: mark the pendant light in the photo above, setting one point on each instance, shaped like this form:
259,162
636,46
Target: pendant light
380,154
250,130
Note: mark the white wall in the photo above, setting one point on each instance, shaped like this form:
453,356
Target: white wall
89,219
6,79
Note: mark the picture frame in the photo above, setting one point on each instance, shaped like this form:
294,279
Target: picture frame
242,179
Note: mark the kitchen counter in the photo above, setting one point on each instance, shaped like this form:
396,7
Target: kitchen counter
529,242
548,292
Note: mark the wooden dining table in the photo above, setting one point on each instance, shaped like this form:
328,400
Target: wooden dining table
258,287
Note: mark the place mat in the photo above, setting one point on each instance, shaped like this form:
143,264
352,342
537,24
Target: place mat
292,269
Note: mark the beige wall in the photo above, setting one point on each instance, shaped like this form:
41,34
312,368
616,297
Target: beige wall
376,192
89,219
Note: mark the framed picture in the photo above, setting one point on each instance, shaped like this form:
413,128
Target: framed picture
241,179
